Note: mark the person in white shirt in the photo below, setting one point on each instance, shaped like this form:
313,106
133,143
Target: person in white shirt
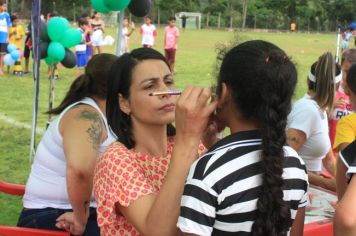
149,33
127,30
58,192
307,128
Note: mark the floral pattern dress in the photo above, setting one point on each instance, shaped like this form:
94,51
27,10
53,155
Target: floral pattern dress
122,176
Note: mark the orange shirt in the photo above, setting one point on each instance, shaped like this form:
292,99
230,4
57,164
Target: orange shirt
122,176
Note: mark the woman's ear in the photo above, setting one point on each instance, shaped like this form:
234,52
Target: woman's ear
124,104
225,95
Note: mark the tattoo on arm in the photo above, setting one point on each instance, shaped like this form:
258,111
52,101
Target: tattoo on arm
95,131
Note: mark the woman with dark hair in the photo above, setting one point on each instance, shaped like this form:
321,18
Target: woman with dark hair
250,182
59,189
139,180
307,129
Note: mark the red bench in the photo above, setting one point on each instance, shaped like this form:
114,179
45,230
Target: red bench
19,190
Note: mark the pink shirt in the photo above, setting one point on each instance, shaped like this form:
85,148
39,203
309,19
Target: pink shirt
171,35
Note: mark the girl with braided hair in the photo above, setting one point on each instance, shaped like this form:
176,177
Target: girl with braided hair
250,182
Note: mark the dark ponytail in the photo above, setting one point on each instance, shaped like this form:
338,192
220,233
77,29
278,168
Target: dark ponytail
262,80
93,83
119,84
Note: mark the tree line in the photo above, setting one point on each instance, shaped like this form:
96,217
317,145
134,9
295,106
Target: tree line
316,15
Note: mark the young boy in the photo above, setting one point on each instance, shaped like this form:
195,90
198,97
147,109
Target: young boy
5,23
81,49
16,33
149,33
171,34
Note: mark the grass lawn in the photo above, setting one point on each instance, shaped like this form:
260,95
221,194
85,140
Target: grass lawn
195,66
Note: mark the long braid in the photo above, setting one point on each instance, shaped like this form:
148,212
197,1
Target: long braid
262,86
273,122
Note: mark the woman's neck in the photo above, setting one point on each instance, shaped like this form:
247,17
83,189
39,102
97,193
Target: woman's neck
311,93
101,104
150,139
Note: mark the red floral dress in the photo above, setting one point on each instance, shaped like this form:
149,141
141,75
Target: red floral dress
123,176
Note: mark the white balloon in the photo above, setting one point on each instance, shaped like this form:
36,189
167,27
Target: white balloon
8,60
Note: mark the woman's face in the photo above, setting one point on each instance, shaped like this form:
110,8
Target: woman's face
147,77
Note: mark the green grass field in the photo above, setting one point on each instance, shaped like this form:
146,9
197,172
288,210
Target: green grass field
195,64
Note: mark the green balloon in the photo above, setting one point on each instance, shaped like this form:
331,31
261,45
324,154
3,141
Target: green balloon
116,5
71,38
99,6
56,51
55,28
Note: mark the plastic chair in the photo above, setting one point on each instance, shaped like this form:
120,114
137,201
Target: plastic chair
19,190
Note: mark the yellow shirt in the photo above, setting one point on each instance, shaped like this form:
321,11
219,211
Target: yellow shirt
345,130
16,34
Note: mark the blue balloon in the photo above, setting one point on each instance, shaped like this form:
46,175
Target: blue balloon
11,47
15,54
8,60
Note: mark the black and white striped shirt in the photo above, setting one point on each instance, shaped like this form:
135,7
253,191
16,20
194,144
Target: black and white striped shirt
224,185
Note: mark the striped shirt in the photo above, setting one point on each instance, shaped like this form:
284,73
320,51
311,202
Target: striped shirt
222,189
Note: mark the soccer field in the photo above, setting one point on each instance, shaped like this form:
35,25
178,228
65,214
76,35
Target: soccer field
195,65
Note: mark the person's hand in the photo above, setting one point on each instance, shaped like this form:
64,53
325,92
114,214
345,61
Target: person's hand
213,132
193,112
340,103
132,26
70,223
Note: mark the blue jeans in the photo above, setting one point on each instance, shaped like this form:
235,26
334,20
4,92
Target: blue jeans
46,219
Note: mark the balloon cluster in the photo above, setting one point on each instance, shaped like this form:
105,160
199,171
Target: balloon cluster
138,8
56,38
12,55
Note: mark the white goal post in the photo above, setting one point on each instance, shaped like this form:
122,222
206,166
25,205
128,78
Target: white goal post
193,19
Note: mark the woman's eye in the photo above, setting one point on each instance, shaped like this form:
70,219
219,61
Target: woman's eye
169,82
150,86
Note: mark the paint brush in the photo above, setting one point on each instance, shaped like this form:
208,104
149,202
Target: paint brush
169,92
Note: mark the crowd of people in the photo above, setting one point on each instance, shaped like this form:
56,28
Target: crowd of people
113,163
127,156
92,30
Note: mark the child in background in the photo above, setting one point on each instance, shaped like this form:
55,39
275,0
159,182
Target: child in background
89,51
5,23
28,48
171,34
346,36
16,33
126,33
149,33
342,106
81,49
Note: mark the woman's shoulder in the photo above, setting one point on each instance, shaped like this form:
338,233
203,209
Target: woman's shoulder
117,150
